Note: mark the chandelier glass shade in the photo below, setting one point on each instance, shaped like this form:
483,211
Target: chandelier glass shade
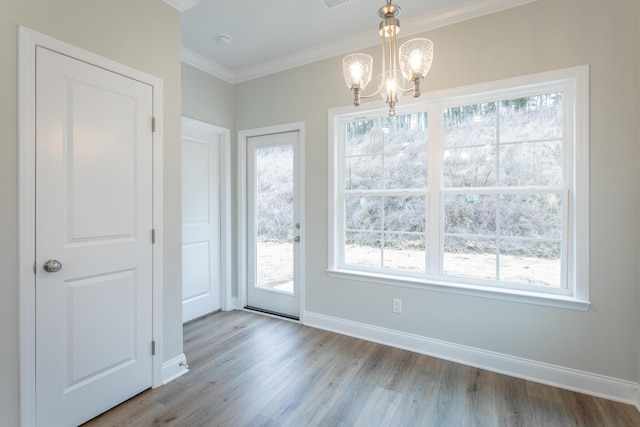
402,69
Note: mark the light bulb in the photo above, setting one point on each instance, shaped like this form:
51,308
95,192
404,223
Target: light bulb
416,59
356,71
391,86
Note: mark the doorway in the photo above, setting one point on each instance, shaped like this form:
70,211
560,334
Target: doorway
206,217
271,177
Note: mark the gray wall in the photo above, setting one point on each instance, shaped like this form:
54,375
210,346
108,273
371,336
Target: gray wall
541,36
143,34
207,98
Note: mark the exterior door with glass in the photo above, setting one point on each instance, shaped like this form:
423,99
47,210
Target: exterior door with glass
273,223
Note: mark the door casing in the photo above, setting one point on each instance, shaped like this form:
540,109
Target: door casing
28,40
243,213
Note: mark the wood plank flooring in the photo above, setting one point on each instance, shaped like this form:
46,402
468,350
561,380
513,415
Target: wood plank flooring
248,369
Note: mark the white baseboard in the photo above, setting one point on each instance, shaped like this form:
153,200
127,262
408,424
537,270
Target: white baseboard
570,379
174,368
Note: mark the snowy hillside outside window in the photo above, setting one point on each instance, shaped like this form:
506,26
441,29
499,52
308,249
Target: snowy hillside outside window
482,189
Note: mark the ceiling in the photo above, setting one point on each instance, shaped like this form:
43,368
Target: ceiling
270,36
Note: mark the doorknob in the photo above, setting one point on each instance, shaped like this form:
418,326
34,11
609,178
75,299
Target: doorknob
52,266
296,239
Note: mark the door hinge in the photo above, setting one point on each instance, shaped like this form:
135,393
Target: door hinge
153,348
153,235
153,124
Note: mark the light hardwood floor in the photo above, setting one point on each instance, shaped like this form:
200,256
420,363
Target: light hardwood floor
252,370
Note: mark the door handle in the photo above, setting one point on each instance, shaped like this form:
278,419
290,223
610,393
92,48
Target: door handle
52,266
296,239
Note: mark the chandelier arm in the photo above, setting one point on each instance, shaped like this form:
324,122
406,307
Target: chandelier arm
377,92
415,86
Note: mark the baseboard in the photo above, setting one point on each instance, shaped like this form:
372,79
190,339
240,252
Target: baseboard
174,368
570,379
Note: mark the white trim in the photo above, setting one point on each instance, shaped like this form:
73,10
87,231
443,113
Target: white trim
174,368
531,370
225,205
28,40
580,168
242,220
243,135
158,225
420,24
302,218
198,61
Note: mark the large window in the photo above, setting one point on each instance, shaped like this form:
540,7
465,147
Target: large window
482,189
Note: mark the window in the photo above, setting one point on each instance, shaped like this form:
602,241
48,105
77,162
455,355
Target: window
480,190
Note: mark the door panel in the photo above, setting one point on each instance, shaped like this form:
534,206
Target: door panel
201,278
89,315
98,146
273,223
94,215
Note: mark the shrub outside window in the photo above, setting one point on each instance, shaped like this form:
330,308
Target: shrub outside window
481,189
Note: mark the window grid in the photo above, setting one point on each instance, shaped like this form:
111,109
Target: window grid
386,188
498,238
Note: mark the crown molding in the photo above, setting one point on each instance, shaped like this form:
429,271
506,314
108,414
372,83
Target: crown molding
198,61
447,16
181,5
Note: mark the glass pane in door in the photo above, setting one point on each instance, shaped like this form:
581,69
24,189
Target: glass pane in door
274,218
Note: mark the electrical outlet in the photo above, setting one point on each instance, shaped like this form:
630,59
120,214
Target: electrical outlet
397,305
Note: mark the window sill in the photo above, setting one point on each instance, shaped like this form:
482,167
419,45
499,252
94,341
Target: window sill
513,295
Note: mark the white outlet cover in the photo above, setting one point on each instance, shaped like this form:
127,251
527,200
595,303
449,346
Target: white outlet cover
397,305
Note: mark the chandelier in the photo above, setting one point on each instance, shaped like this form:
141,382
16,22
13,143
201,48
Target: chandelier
414,56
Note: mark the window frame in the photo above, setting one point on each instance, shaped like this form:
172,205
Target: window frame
574,83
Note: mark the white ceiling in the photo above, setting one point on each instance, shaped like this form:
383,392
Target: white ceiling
270,36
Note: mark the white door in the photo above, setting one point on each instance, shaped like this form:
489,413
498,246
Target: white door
94,218
201,220
273,223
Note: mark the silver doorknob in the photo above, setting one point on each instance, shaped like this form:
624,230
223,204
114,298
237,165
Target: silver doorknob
296,239
52,266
